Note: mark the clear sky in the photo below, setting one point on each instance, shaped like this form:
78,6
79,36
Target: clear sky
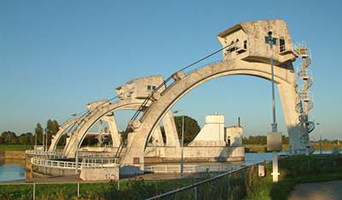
56,56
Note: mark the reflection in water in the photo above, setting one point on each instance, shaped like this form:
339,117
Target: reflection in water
11,169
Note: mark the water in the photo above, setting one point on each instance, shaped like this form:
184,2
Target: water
11,170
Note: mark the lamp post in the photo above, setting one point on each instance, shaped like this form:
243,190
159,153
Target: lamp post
270,40
182,146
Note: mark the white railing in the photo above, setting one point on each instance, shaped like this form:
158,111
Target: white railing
103,162
54,163
88,163
298,48
55,154
188,168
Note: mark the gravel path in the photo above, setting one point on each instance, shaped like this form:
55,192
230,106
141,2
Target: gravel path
318,191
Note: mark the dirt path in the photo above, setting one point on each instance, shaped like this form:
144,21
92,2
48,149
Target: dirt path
318,191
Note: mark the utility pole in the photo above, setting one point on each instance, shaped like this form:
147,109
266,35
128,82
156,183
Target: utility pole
182,161
182,147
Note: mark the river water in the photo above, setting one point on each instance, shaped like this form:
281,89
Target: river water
12,169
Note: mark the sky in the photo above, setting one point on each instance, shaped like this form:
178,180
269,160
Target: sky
57,56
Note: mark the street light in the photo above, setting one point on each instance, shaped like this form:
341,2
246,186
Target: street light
182,145
269,39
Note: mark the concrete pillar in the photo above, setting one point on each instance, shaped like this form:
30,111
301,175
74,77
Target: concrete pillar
157,137
113,129
170,130
288,97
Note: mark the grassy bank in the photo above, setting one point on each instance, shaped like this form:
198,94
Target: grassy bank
293,171
133,189
15,147
259,148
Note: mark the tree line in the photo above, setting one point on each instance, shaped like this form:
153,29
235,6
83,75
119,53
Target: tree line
261,139
39,137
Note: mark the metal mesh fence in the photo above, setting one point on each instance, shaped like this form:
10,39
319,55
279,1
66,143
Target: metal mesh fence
230,185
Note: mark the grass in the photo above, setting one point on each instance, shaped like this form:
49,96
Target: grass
294,171
15,147
132,189
259,148
19,147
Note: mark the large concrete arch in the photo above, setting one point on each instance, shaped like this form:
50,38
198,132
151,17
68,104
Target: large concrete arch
284,78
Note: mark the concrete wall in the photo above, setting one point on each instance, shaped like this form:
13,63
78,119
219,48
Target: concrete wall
234,136
100,174
13,154
37,170
209,153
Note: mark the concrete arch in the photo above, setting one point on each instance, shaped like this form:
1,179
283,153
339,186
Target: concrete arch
284,78
76,139
60,132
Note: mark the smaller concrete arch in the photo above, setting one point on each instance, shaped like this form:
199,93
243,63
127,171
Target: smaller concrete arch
60,132
76,139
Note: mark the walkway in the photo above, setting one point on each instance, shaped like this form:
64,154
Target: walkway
318,191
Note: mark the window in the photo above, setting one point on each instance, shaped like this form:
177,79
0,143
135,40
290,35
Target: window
245,44
148,87
153,87
282,44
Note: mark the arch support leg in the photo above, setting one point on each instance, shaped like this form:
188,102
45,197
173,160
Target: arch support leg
288,98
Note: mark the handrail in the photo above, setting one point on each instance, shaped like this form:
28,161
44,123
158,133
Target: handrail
201,182
72,165
189,168
136,114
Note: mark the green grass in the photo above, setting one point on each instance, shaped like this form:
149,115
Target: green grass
258,148
132,189
15,147
294,171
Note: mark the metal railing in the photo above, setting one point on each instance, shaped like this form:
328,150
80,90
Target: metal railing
53,154
229,185
86,163
54,163
188,168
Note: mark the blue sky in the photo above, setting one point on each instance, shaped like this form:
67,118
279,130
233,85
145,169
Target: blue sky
56,56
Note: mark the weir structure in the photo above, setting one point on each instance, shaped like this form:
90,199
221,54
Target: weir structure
244,52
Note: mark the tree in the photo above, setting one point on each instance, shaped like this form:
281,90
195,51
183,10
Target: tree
26,138
38,133
23,139
9,137
191,128
30,138
2,140
51,129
